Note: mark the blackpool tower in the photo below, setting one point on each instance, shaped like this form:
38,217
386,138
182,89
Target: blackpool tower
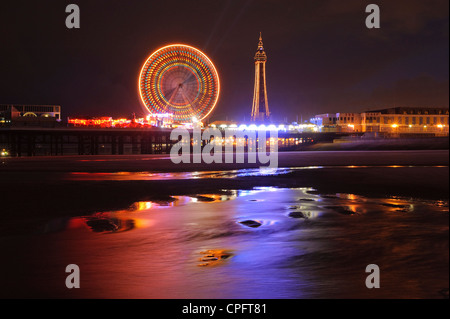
260,108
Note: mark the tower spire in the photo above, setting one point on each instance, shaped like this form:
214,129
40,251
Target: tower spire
260,44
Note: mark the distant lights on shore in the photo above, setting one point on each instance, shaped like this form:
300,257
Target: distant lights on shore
264,127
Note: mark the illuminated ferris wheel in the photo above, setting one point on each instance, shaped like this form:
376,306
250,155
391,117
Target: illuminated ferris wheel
180,80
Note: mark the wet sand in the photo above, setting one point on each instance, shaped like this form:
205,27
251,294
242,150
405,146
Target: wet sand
38,187
262,243
391,207
162,163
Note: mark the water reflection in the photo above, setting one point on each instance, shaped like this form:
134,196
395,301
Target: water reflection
127,219
109,225
104,223
148,176
265,242
213,257
247,172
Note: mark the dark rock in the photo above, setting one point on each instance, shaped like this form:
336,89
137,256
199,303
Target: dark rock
204,199
329,196
102,225
341,210
395,206
209,258
297,215
250,223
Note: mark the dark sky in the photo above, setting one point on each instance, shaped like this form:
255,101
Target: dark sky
321,56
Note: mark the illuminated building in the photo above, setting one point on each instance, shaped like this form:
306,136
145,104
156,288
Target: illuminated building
223,124
391,120
260,107
151,120
93,122
180,80
159,120
406,120
337,122
29,115
292,128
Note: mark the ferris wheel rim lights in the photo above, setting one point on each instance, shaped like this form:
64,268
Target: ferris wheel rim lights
209,78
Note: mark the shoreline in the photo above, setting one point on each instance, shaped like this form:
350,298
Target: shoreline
73,198
163,163
39,192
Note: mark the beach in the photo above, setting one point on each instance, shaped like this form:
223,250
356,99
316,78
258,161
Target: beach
142,227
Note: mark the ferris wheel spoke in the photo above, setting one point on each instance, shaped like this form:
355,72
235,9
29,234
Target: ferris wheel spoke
190,78
174,93
188,102
169,92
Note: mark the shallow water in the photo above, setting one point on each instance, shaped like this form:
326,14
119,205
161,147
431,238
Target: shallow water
246,172
262,243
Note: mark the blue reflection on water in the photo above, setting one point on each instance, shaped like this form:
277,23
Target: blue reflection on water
301,244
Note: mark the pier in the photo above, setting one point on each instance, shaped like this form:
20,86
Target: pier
118,141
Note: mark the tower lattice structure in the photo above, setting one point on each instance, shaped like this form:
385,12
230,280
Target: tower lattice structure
260,107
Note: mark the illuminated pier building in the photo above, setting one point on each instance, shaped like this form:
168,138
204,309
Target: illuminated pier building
151,120
260,107
398,120
29,115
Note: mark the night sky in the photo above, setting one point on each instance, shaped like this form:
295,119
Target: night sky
321,56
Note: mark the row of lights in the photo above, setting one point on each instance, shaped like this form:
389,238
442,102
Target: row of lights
271,127
396,125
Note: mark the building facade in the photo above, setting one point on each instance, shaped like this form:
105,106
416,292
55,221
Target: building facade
390,120
29,115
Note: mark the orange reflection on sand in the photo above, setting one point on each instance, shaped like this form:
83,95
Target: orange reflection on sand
213,257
